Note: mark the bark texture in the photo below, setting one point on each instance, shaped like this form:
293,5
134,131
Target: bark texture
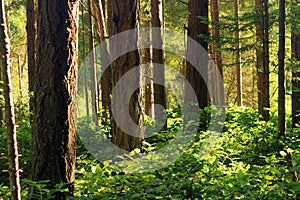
125,14
54,122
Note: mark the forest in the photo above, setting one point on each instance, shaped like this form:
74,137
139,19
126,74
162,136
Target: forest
149,99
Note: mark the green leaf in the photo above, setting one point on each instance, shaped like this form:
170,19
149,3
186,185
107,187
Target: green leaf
269,178
295,169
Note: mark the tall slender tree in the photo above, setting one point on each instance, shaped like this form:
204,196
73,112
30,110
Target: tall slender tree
125,14
157,7
295,76
295,44
53,131
11,128
99,13
215,51
31,9
92,64
281,70
86,87
237,54
197,8
146,57
262,58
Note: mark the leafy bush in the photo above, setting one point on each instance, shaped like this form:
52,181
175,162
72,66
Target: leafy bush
244,164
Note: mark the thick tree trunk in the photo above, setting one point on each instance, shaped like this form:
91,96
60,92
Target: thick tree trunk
281,69
262,59
31,8
237,55
195,28
14,171
158,58
125,18
53,131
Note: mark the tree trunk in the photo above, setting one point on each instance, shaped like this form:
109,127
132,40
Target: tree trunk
158,58
93,73
86,87
125,18
295,41
14,171
237,55
262,59
281,69
146,59
216,52
53,132
195,28
106,86
295,78
31,8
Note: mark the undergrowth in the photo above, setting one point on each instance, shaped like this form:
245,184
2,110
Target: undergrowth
248,161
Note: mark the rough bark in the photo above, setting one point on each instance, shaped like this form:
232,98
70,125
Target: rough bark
158,58
31,8
125,13
195,28
262,59
281,69
54,122
14,171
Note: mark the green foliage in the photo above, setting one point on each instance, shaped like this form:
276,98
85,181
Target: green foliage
4,191
247,162
24,142
41,190
244,164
